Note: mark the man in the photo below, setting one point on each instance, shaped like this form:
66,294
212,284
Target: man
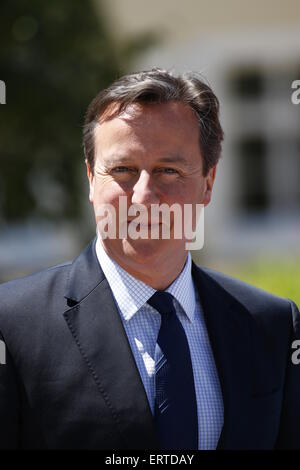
133,346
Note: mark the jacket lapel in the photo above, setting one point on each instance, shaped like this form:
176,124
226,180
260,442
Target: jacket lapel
97,328
228,325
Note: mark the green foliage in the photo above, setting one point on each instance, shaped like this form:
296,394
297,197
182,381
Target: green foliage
280,278
54,57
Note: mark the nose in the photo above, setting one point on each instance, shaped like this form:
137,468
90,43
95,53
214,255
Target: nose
144,191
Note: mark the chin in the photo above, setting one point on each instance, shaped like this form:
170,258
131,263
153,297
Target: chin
144,250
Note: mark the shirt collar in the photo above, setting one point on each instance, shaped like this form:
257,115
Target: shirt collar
131,293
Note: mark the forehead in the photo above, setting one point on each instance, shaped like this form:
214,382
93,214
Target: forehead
172,126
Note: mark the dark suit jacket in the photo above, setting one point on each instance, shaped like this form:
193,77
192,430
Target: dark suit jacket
70,379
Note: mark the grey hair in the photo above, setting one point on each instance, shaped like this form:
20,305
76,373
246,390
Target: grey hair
159,86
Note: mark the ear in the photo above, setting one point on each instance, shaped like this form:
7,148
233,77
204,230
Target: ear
91,179
209,182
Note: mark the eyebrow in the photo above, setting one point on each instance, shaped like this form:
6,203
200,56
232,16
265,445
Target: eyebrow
173,159
168,159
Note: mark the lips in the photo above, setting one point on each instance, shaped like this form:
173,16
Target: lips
148,224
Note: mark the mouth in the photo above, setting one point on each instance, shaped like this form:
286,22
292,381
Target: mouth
151,224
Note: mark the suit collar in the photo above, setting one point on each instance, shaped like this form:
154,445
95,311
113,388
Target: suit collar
85,274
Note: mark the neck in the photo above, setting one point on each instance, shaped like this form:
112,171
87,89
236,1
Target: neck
158,273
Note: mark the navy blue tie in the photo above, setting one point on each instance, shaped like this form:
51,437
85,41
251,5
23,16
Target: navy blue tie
175,399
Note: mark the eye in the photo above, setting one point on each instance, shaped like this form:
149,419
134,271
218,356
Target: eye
121,169
169,171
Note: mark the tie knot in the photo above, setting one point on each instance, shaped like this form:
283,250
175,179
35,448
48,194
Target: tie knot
162,302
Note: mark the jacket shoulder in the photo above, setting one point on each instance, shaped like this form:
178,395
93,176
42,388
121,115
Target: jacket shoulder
24,296
254,299
35,280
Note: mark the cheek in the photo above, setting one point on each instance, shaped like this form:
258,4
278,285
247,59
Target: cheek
106,201
107,191
199,193
175,191
189,193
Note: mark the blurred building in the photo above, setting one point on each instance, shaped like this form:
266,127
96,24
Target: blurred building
250,54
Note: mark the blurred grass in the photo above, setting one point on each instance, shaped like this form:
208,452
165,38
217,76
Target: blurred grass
278,277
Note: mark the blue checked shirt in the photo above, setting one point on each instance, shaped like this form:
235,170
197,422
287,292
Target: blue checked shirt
142,324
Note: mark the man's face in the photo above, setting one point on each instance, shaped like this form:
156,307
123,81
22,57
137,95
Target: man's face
150,154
